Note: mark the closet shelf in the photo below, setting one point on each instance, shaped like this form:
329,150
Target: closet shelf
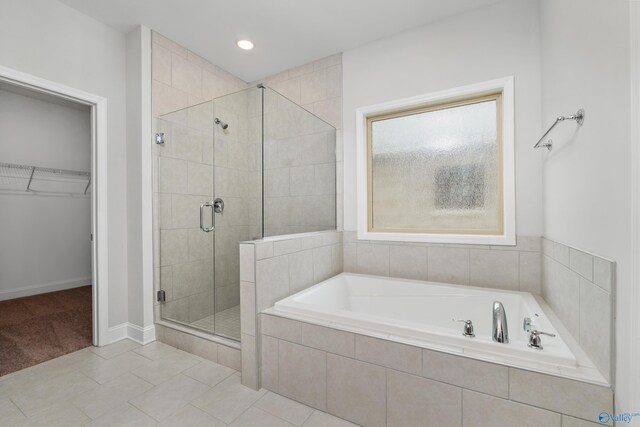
36,180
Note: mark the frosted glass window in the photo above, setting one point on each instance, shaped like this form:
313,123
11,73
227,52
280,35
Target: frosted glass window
437,169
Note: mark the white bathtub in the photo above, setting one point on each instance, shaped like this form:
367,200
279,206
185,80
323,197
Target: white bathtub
422,312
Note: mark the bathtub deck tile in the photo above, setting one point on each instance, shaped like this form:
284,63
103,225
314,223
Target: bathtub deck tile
328,339
466,372
480,410
302,374
412,400
562,395
389,354
282,328
356,391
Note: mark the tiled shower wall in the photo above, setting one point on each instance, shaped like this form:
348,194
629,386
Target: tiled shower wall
182,79
516,268
580,287
299,169
317,86
183,179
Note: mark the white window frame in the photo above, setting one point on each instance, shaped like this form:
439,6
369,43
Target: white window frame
508,237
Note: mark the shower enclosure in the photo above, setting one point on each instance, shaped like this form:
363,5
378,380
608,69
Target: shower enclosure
244,166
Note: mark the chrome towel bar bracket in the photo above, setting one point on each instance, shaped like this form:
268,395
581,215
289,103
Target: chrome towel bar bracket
578,117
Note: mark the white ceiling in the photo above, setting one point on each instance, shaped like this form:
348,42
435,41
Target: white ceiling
286,33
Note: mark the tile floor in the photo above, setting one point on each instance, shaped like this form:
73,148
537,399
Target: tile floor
126,384
225,323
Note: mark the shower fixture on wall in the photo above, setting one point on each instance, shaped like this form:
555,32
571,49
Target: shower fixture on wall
222,124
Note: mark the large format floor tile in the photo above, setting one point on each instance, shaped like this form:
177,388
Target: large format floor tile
126,384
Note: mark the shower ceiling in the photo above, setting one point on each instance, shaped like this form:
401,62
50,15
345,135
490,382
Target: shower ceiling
287,33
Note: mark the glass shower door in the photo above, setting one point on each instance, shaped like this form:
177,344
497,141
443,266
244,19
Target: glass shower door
237,140
184,165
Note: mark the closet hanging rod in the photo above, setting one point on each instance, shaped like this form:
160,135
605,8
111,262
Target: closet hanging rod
578,117
33,169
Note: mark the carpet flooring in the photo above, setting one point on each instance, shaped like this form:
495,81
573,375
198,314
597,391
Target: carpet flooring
41,327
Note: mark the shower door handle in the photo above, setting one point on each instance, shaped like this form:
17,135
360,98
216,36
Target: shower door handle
202,207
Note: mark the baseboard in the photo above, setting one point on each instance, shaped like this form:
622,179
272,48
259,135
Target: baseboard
132,332
116,333
141,335
60,285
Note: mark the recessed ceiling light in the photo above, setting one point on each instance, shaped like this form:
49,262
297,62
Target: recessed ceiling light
245,44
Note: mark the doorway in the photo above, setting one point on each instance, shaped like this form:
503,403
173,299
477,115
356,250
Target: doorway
53,275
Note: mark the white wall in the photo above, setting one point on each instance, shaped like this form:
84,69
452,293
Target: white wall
44,241
485,44
587,180
139,188
50,40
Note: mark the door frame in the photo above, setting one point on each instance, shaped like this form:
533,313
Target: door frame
99,201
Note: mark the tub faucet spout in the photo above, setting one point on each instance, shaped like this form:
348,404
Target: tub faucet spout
500,329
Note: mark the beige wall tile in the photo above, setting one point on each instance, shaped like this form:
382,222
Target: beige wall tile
169,44
288,246
561,253
595,325
173,176
356,391
481,410
167,99
174,246
558,394
247,263
414,401
213,86
389,354
161,66
350,257
448,265
328,339
568,421
603,271
279,327
248,308
269,365
313,87
229,357
302,373
249,357
300,270
561,290
408,262
531,272
322,264
372,259
494,269
581,263
200,179
272,280
330,110
186,76
199,346
466,372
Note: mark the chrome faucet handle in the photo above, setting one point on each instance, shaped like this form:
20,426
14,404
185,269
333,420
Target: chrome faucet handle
527,324
535,341
468,327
